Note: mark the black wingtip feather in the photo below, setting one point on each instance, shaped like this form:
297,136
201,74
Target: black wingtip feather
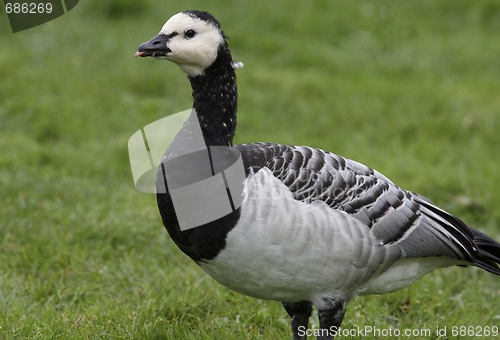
488,257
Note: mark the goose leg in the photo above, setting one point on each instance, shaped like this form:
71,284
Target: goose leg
300,313
330,318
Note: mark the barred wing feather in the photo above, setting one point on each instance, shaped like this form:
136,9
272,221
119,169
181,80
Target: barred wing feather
395,216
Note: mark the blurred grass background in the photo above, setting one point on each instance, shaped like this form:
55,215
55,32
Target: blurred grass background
410,88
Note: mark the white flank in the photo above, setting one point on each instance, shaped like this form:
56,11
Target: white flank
286,250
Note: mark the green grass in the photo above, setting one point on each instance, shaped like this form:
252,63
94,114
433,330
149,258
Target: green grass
408,88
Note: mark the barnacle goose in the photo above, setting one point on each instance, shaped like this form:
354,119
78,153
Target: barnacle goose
314,228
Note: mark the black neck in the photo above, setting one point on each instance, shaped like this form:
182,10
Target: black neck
215,99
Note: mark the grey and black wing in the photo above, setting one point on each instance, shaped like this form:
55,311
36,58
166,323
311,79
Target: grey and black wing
396,216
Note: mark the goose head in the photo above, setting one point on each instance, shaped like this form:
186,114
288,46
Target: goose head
190,39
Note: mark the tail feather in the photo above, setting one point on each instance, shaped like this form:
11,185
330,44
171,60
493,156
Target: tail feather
488,257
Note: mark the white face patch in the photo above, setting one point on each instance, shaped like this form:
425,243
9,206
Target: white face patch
192,53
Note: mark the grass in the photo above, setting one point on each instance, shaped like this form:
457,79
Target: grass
408,88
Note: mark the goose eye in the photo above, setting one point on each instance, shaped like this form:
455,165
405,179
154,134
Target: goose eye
189,34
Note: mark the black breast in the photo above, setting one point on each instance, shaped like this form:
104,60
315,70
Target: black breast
201,243
208,240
